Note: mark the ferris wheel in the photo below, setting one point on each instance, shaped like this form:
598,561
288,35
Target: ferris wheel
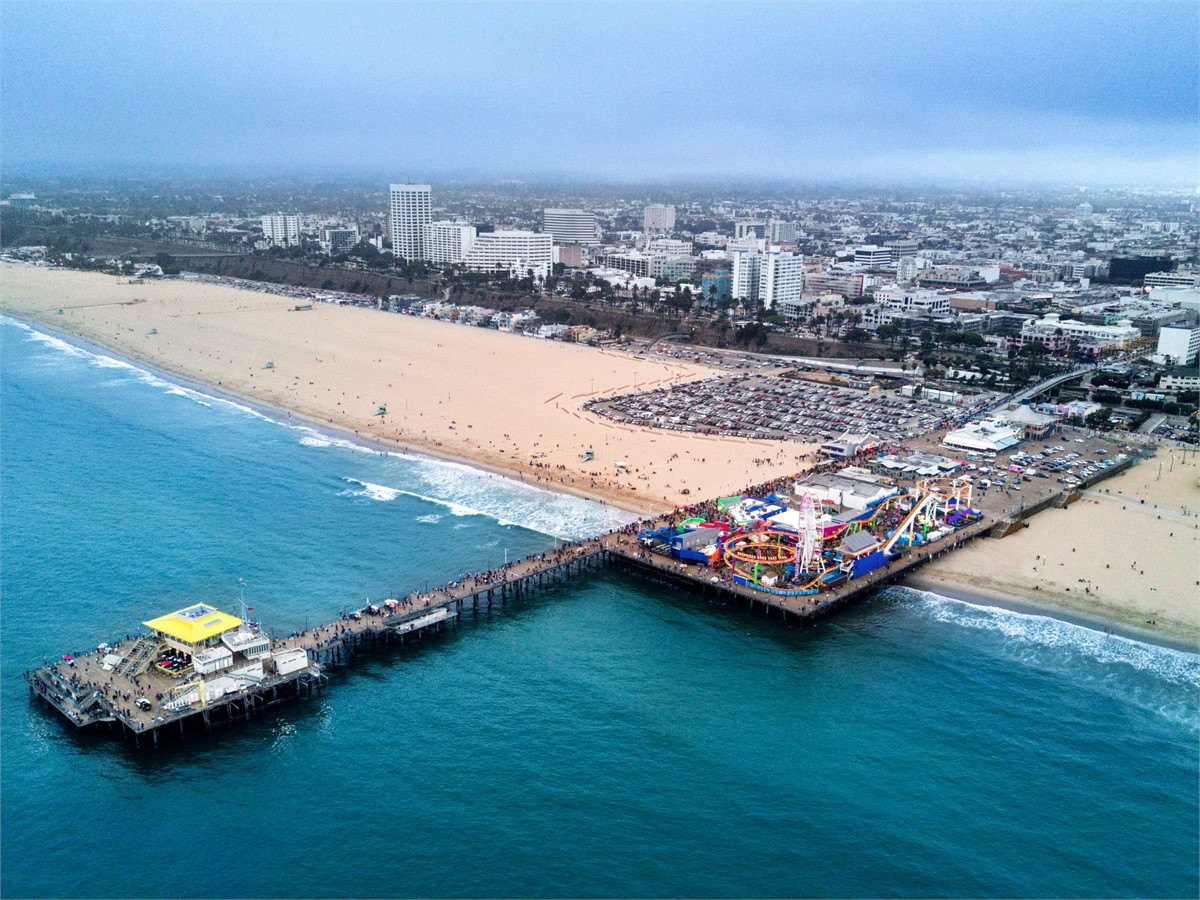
808,547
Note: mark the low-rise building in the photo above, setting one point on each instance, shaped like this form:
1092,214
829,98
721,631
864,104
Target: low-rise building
1181,381
1184,278
517,252
1056,334
848,493
849,444
990,435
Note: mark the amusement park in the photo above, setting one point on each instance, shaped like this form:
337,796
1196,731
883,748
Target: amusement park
830,531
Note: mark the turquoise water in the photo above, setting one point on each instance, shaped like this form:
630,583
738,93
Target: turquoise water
607,738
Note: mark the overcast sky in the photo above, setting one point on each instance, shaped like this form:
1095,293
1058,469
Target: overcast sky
1089,92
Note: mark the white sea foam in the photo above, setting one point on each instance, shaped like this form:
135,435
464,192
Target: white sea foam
460,488
132,371
1169,678
378,492
312,437
431,519
1167,663
513,502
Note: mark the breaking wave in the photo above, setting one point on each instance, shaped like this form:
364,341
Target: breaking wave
1170,678
458,487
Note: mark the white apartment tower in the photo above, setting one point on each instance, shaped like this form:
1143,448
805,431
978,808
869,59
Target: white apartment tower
747,267
780,278
1180,344
281,231
658,219
409,218
570,226
448,242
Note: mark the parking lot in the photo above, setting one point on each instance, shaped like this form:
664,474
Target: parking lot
761,406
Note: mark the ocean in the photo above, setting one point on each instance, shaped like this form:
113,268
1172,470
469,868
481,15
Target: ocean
609,737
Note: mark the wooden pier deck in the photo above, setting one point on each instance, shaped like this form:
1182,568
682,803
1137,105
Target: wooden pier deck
87,695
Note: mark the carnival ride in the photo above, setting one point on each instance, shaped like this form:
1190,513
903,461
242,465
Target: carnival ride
806,560
936,503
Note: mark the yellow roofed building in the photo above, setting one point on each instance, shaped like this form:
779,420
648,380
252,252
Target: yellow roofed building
193,628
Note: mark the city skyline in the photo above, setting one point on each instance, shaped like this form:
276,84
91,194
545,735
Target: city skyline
1029,93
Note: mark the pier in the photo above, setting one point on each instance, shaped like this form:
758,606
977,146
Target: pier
119,685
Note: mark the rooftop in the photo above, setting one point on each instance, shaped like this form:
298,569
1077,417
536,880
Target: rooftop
194,624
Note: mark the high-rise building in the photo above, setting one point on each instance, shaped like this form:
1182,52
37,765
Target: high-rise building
409,217
1179,343
780,277
659,219
781,232
747,265
570,226
448,242
518,252
280,230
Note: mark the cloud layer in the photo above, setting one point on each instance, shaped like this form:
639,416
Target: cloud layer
1028,91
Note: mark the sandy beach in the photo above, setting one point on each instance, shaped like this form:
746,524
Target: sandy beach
503,402
1128,552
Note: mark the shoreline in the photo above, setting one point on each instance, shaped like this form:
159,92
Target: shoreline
282,415
454,393
1061,611
1052,607
491,371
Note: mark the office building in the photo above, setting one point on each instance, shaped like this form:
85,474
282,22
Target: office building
902,247
1181,381
716,285
669,247
658,219
448,242
1182,278
750,229
848,284
1057,334
872,257
781,232
517,252
409,218
570,255
917,300
652,265
281,231
339,240
1135,267
570,226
